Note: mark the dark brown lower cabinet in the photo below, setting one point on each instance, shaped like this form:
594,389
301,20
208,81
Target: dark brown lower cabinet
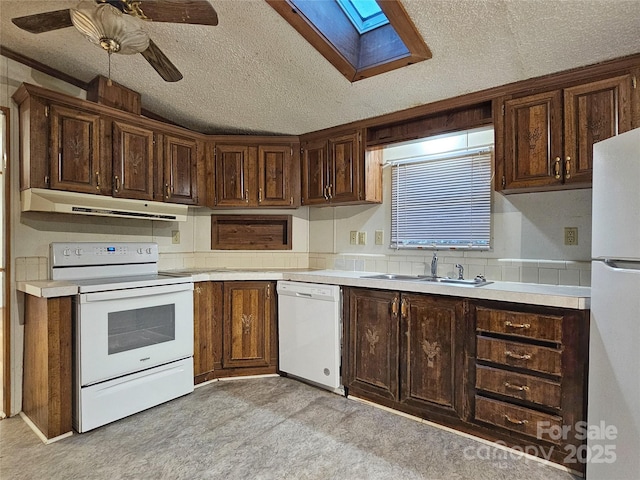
405,351
432,354
530,378
510,373
235,329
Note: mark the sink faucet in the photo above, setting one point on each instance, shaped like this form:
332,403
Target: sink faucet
460,271
434,265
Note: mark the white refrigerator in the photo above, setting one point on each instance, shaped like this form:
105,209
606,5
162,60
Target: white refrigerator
613,408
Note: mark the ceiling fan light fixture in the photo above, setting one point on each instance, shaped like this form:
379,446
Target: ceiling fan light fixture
110,29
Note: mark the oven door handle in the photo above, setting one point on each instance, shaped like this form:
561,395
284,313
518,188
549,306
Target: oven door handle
135,292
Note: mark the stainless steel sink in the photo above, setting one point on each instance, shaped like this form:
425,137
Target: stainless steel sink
476,282
396,276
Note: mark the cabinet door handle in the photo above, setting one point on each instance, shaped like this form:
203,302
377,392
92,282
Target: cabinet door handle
117,182
246,196
404,307
330,190
510,354
269,290
167,191
556,168
260,195
515,422
324,192
394,307
567,167
520,388
517,325
97,180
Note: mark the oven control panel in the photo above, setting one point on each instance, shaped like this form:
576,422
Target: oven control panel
73,254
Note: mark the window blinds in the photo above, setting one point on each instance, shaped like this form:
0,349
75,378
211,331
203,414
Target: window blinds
442,201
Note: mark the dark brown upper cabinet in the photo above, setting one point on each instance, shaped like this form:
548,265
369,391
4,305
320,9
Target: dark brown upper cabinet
75,150
544,141
233,175
256,175
337,170
133,161
179,167
275,176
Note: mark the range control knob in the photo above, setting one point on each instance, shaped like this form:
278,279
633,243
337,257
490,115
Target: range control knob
140,251
149,250
78,251
66,252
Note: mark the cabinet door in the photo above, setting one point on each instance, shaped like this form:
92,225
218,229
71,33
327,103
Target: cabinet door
593,112
274,176
207,330
344,168
75,153
180,170
432,360
533,140
314,173
233,187
247,324
133,161
372,343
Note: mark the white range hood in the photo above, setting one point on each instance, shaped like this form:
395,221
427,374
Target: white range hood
43,200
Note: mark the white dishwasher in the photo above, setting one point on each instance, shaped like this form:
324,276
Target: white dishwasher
310,332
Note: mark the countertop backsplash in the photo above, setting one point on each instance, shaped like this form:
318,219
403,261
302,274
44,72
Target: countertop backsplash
547,272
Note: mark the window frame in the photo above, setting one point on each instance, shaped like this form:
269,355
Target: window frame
471,154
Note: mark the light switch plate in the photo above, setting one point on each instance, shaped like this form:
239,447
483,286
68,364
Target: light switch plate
379,237
175,236
353,237
362,238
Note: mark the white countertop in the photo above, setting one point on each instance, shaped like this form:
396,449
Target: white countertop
563,296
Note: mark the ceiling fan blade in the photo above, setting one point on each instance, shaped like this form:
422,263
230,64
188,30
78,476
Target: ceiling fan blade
161,63
199,12
44,22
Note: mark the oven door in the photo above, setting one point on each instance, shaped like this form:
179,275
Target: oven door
124,331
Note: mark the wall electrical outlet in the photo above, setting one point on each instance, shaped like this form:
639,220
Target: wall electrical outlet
353,237
379,237
570,235
362,238
175,236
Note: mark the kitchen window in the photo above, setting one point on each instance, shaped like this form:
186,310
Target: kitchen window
441,191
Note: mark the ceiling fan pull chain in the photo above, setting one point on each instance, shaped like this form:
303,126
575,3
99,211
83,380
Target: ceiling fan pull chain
109,83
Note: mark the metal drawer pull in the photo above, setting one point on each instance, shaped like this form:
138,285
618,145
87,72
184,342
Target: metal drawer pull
520,388
517,325
515,422
509,353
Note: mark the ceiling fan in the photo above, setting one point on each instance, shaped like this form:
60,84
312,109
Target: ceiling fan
113,25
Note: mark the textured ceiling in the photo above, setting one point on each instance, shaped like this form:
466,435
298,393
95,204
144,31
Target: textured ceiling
254,73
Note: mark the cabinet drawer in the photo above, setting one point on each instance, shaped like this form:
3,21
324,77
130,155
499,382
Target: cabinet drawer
517,419
518,385
528,325
522,355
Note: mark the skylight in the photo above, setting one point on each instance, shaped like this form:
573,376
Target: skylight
365,15
360,38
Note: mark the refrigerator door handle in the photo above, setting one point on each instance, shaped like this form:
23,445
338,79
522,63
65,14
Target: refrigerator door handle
622,265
